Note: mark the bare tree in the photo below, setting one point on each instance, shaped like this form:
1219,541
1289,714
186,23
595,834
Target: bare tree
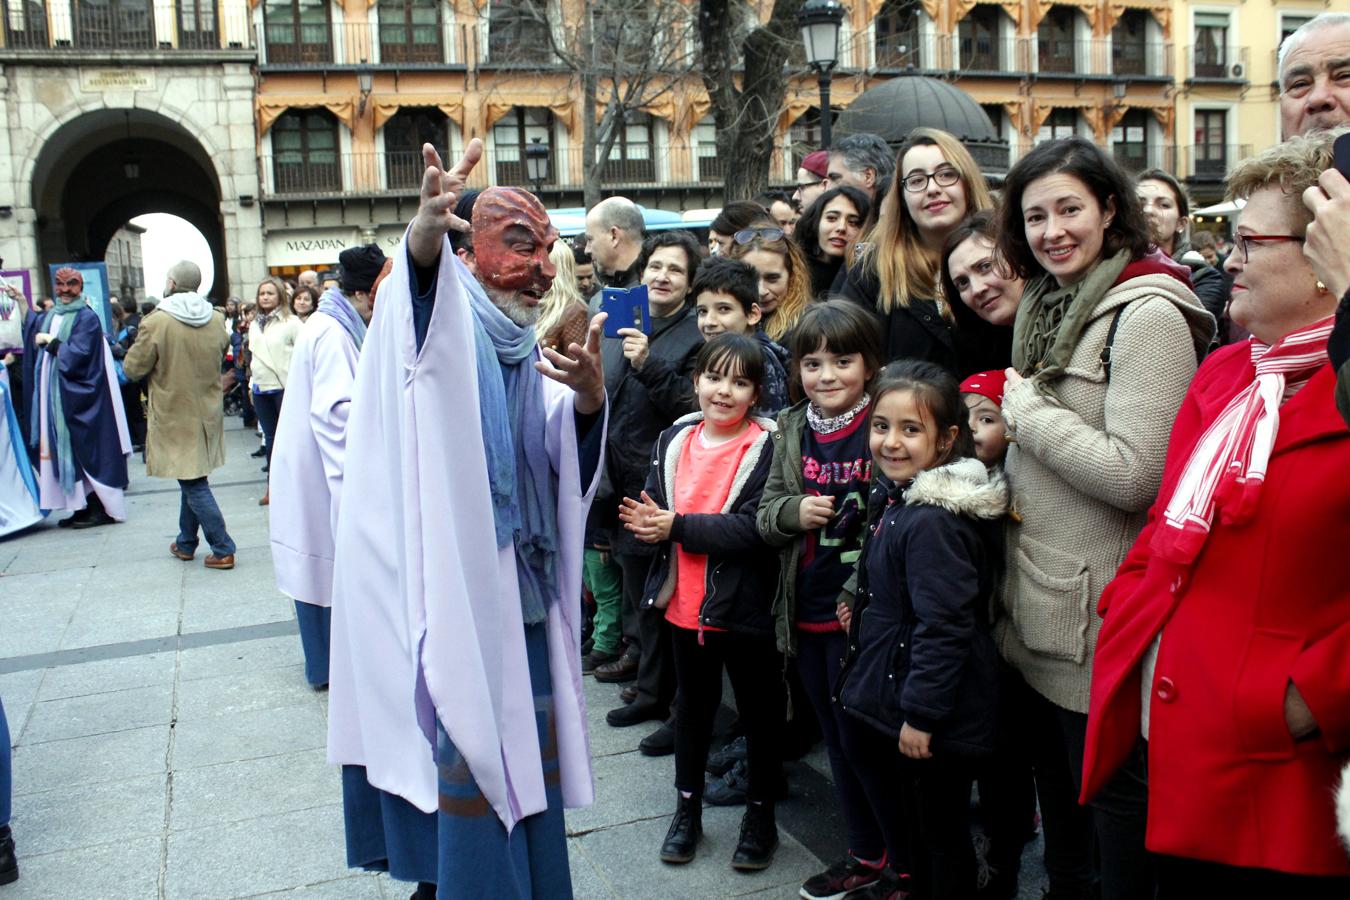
747,109
622,55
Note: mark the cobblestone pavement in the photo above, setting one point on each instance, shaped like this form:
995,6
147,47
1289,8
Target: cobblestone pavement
167,746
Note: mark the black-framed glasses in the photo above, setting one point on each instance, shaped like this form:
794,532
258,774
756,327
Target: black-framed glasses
1243,242
917,182
746,235
803,185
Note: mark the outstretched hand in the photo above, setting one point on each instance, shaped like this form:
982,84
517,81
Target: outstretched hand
580,369
648,522
436,207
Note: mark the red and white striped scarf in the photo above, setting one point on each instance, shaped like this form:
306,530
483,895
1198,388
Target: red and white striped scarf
1228,465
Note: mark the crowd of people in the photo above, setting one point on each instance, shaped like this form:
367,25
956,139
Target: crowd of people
1026,494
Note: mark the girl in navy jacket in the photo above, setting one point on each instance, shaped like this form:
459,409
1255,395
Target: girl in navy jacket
922,669
714,577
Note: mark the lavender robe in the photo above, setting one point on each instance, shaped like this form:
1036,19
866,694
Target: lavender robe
308,459
425,606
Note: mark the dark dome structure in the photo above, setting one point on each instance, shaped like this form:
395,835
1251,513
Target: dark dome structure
906,102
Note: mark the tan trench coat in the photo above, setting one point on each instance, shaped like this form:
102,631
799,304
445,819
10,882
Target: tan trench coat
186,435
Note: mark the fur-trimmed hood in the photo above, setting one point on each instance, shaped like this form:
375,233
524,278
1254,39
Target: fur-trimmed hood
686,424
964,487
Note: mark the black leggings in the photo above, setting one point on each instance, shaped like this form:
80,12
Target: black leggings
937,815
756,672
268,407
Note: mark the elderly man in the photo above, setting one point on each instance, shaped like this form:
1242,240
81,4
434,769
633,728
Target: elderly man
864,161
456,708
311,450
614,232
75,418
178,350
308,278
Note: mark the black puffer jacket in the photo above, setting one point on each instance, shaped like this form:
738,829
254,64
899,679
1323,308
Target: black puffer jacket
641,405
919,648
917,331
742,569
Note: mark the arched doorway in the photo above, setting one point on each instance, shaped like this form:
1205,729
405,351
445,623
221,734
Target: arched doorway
108,166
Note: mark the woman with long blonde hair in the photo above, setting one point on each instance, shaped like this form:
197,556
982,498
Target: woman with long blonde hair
562,312
784,276
895,272
271,340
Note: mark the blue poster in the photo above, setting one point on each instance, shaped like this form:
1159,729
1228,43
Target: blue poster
95,288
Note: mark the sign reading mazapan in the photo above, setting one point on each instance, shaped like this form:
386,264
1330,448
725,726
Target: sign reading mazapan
99,80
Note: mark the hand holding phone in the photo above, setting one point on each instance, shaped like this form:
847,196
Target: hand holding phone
627,308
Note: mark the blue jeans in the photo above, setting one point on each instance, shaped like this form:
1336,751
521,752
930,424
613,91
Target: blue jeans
6,772
199,510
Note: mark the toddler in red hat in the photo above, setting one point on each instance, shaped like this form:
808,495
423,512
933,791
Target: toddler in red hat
983,396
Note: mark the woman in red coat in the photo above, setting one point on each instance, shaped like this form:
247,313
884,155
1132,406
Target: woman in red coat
1225,644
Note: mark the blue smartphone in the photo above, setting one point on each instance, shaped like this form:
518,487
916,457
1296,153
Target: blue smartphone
627,308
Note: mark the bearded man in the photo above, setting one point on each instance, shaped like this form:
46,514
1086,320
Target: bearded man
76,423
456,708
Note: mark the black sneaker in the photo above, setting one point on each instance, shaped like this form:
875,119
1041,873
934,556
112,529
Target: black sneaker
722,760
9,861
889,886
259,453
759,839
840,880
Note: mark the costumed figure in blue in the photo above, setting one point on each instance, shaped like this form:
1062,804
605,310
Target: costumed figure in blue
75,421
18,487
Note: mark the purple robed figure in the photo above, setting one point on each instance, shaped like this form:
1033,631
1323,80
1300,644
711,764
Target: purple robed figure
455,685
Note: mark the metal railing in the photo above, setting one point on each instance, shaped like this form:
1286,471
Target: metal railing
1136,157
911,50
126,27
286,42
327,173
1209,162
1098,56
1208,63
984,54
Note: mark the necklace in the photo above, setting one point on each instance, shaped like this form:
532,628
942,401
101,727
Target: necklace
822,425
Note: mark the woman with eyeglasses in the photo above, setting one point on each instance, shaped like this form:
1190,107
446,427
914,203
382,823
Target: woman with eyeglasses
1168,211
784,281
1105,342
1227,629
895,272
827,231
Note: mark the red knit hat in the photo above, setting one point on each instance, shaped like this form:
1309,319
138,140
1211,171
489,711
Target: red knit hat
986,384
817,163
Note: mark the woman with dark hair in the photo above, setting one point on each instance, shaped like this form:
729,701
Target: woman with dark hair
895,273
981,294
784,282
737,215
1105,343
304,301
649,380
1168,211
827,231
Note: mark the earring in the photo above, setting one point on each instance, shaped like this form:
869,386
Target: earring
1321,288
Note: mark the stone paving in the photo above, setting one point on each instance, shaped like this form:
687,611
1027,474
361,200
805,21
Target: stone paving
167,746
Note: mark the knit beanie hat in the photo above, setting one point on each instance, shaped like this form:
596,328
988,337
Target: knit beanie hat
360,267
986,384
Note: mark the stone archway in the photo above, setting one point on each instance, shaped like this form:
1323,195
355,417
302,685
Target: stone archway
103,168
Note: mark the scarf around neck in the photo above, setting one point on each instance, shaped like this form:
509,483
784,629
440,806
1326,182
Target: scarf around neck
821,424
59,322
524,497
1227,468
1051,319
335,303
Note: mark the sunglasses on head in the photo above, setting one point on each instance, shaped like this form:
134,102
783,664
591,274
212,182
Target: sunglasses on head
746,235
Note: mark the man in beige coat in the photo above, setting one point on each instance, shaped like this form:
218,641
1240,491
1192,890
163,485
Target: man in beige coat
179,349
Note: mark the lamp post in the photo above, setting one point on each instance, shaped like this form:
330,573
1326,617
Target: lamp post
820,21
365,83
536,163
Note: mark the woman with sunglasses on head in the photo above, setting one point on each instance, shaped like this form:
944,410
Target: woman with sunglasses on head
1168,211
735,216
1105,342
827,231
895,272
784,281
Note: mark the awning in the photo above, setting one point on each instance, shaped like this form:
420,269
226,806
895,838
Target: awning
271,107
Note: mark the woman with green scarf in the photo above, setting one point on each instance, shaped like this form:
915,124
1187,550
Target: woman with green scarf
1105,343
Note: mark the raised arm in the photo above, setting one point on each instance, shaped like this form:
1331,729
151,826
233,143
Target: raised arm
436,207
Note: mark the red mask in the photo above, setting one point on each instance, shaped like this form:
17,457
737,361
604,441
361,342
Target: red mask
511,239
69,283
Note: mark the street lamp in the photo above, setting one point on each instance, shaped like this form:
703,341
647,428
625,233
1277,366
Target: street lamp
365,83
536,163
820,21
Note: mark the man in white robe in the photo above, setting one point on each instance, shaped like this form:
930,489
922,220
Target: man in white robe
310,451
456,708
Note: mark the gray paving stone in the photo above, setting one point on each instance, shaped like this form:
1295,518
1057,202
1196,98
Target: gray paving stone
236,791
227,612
26,638
244,692
587,883
91,814
357,887
19,690
55,720
111,871
248,735
240,657
90,760
628,787
103,676
207,863
99,632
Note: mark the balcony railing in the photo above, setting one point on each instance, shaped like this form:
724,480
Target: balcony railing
123,26
288,43
1136,157
1210,162
982,54
1098,57
1218,63
911,50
